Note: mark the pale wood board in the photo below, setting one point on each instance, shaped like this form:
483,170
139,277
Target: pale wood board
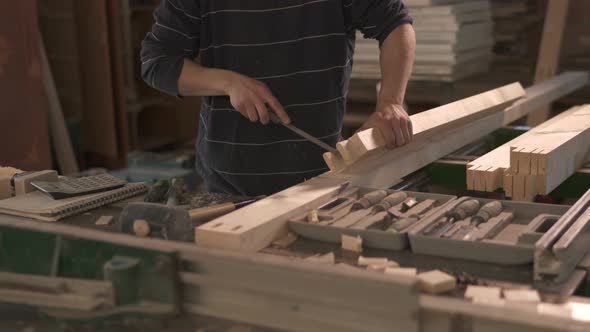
60,137
548,61
498,160
255,226
558,149
428,123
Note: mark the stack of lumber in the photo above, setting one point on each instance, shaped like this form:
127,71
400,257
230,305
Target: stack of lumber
453,40
537,161
517,27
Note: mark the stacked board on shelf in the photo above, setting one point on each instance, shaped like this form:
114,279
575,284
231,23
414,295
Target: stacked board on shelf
517,28
453,40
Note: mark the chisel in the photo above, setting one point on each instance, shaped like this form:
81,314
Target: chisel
275,119
460,212
489,210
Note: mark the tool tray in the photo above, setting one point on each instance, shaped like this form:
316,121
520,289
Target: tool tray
513,244
376,239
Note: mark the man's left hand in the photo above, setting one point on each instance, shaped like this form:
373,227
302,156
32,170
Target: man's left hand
393,122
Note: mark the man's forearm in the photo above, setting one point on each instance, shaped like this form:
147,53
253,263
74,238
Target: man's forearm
196,80
397,59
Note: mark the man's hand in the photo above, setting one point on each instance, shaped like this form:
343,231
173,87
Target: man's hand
251,97
393,122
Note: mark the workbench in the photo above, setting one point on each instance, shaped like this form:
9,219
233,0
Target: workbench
275,288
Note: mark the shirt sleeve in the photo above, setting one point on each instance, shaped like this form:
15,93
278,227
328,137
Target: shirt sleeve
376,19
174,37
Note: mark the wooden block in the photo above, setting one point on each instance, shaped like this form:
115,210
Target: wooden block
471,176
352,243
104,221
483,293
518,190
285,241
328,258
9,171
508,183
522,295
366,261
22,184
5,187
401,271
312,217
530,187
437,282
342,147
383,267
333,161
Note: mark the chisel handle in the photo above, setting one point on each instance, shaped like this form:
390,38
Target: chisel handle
464,210
391,200
489,210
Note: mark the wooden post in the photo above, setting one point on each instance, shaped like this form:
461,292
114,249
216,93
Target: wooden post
548,60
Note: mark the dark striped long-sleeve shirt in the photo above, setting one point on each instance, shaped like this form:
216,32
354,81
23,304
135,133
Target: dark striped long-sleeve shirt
301,49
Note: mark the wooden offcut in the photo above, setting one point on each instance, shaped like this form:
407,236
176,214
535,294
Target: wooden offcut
22,184
437,282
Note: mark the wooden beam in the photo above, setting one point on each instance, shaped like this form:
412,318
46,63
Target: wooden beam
255,226
498,161
60,137
548,156
545,93
548,61
428,123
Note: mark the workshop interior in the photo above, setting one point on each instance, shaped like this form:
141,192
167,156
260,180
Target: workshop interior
480,223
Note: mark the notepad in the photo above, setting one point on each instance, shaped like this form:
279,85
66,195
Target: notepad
37,205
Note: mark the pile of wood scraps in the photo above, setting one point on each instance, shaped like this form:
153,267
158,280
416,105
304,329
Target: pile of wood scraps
537,161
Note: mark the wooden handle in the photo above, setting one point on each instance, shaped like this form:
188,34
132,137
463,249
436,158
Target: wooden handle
211,212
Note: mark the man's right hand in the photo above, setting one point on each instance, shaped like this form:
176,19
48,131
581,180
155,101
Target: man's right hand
251,97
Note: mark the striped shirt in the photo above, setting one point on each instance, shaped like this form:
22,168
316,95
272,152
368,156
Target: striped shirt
301,49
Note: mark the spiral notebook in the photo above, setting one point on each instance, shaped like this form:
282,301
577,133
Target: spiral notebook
37,205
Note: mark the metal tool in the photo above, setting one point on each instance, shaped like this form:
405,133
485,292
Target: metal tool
171,222
463,210
275,119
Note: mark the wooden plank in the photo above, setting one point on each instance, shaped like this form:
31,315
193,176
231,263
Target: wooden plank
548,61
546,92
24,136
62,144
558,149
537,96
255,226
428,123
